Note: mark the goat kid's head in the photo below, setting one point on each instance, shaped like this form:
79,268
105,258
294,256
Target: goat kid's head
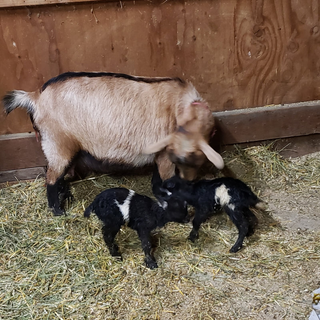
177,187
187,147
177,209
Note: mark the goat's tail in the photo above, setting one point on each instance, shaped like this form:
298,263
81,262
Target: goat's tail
88,211
18,99
261,205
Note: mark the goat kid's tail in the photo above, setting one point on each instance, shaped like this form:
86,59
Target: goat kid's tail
88,211
18,99
261,205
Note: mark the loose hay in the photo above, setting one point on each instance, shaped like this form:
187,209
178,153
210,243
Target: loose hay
60,268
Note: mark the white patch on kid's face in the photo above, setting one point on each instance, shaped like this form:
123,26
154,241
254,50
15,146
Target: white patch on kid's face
163,204
222,196
125,206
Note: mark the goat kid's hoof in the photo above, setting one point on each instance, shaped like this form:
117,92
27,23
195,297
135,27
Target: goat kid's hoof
193,237
151,265
235,249
117,255
58,212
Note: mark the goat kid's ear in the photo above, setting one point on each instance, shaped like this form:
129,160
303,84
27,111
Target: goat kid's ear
157,146
211,154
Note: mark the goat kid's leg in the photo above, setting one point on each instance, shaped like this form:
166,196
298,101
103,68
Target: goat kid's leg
109,235
199,218
252,220
242,224
146,244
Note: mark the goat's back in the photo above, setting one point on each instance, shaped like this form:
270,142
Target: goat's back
96,112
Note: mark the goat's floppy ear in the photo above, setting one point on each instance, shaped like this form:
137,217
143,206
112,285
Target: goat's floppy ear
211,154
157,146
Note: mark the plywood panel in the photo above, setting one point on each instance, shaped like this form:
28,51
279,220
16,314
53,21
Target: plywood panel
238,53
22,174
20,151
20,3
265,123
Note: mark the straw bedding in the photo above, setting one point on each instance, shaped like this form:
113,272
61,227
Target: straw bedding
59,267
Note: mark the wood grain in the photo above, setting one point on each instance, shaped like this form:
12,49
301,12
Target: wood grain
20,151
298,122
21,174
238,53
20,3
265,123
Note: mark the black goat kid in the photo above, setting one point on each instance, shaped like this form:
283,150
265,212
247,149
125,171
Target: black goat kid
117,206
210,196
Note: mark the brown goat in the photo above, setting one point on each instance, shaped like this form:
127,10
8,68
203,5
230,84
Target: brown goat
117,119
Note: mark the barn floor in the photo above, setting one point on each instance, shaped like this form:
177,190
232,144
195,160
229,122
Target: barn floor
59,267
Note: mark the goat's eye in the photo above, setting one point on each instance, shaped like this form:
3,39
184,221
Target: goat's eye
171,185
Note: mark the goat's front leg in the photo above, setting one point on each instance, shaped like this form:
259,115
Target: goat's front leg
199,218
53,194
146,244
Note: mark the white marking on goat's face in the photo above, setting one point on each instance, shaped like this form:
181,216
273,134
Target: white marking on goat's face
125,206
222,196
163,204
231,206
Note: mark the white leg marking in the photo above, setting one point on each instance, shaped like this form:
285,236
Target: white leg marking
125,206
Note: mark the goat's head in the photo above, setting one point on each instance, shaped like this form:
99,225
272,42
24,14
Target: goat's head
187,147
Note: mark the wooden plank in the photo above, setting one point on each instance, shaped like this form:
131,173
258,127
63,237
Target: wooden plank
19,152
22,174
265,123
20,3
302,120
289,147
238,53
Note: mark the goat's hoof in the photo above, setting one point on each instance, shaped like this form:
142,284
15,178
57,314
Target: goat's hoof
117,255
235,249
58,212
193,237
152,265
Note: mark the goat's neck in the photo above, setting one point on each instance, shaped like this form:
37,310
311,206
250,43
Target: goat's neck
161,216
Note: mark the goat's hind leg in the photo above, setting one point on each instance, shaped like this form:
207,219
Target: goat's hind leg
109,235
252,220
242,224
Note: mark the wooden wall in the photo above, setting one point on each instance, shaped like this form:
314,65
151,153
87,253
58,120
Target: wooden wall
239,53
